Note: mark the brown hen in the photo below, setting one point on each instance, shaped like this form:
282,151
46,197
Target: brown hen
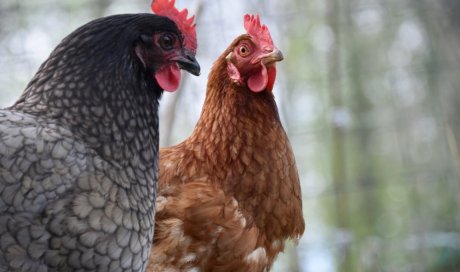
229,196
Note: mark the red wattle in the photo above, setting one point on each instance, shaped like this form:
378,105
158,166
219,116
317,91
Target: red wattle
169,77
271,78
257,82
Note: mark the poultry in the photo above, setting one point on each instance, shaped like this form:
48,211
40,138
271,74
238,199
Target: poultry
229,195
79,148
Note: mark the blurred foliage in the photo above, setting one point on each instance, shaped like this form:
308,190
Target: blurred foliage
369,94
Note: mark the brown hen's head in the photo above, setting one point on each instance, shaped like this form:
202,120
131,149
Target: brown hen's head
252,60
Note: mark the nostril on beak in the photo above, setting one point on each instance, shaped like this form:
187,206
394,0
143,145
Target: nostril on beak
280,55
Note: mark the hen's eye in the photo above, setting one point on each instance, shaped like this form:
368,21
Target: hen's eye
244,51
167,42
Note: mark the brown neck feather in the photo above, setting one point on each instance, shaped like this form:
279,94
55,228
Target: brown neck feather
232,111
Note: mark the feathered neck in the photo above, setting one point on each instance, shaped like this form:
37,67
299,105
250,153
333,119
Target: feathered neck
234,107
234,123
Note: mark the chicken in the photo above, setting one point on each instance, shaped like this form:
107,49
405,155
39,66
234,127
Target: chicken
229,195
79,149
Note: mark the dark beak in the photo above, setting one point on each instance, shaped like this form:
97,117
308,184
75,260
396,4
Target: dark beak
273,56
188,62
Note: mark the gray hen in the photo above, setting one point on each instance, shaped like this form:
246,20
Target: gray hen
79,149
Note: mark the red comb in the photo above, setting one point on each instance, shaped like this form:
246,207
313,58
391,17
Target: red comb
186,26
257,30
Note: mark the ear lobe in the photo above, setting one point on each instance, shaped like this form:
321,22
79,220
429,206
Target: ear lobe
233,72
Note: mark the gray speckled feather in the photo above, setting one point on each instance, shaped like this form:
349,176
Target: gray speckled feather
79,154
68,219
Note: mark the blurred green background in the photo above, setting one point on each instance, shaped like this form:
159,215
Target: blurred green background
369,94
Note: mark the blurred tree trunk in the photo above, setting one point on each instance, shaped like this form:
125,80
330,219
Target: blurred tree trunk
100,7
7,13
361,109
339,176
442,25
